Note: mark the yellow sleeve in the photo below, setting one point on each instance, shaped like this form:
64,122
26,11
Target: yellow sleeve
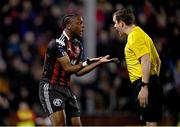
139,46
156,53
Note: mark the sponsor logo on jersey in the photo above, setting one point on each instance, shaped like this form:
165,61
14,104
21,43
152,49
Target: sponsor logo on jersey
57,102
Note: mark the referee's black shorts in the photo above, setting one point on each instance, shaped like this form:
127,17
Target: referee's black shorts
152,112
58,97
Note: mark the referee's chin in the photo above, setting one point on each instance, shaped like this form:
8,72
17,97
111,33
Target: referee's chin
121,34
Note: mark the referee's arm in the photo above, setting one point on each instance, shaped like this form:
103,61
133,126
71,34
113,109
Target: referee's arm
146,67
158,66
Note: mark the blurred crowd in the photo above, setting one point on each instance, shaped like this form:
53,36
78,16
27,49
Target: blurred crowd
26,27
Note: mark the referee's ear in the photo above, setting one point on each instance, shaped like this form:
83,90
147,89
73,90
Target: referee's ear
122,24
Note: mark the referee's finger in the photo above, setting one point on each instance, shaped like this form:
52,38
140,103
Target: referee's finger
141,102
146,101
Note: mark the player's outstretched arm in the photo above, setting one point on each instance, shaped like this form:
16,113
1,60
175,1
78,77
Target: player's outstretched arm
66,65
94,63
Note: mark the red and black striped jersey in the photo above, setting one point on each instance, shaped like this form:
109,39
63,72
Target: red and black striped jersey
53,71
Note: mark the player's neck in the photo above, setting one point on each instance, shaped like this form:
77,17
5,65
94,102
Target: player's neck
68,33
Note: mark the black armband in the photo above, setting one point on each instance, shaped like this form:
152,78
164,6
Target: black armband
144,84
89,61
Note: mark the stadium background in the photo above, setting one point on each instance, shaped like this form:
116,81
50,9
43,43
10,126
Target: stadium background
26,27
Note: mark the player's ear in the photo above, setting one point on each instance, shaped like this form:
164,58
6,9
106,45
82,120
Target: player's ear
68,26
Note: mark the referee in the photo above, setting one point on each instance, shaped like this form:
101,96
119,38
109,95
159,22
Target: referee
143,64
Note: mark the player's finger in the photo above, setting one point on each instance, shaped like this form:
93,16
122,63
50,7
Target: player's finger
107,56
95,59
114,60
110,60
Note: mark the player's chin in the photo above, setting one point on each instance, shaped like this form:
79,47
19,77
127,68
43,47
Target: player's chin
81,34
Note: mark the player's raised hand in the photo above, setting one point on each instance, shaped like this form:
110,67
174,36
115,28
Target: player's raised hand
115,60
105,59
92,60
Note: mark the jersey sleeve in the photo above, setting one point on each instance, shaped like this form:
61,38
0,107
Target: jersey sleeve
60,48
139,47
56,49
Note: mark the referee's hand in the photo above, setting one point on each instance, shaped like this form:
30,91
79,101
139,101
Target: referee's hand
143,97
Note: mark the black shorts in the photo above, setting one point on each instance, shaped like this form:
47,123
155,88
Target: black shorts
153,112
57,98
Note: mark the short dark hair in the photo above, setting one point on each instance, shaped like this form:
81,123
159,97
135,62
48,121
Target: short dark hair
125,15
67,18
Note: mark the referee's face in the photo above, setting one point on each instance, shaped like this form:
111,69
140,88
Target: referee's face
118,25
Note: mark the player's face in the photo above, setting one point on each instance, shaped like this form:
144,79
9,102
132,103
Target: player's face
118,25
78,26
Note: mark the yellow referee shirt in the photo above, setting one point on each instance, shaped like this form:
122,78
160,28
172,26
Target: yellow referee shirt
139,44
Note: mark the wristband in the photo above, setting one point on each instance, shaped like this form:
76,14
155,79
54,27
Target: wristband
84,63
144,84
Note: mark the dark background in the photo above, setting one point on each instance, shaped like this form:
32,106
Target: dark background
26,27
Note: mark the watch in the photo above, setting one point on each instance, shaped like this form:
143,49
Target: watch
144,84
